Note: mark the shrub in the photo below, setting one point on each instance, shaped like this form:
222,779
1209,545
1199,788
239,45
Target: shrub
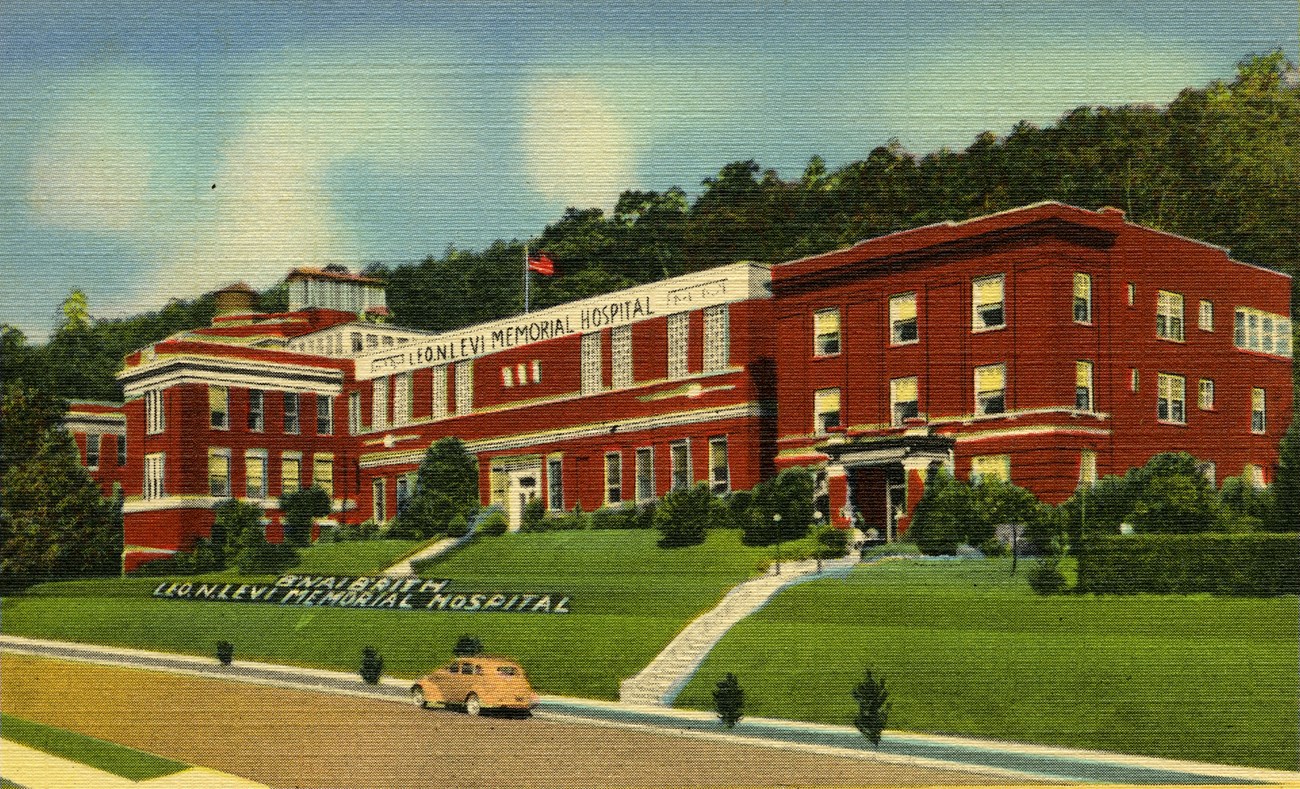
1230,564
729,701
1284,511
299,508
225,652
494,523
943,515
645,515
873,707
372,665
834,542
682,516
789,494
467,646
532,516
993,547
457,526
445,488
1045,576
266,558
614,518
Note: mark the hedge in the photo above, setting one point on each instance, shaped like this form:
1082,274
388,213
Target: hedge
1257,565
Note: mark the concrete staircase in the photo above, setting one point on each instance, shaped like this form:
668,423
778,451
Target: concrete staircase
661,681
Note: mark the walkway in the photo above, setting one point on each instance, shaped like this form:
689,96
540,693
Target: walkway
661,681
404,569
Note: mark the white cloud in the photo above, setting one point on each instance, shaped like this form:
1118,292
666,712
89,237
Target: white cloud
578,150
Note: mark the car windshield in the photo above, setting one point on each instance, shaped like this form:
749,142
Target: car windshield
507,671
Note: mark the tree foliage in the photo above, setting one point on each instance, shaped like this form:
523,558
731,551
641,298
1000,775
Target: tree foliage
682,516
790,495
729,700
446,491
873,707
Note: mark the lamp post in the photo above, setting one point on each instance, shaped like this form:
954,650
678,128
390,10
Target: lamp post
776,518
817,552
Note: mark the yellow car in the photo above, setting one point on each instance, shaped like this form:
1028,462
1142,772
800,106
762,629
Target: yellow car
478,683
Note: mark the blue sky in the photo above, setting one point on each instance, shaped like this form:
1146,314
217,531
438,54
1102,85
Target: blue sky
358,132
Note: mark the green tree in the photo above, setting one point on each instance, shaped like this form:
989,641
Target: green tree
944,514
729,701
873,707
790,495
299,508
446,488
682,516
1284,512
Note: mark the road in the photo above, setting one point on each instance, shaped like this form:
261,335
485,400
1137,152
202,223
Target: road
287,737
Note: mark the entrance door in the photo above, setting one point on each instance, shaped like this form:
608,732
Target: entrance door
523,488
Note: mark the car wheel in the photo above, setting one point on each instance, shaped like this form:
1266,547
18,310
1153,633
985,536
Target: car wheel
472,705
417,697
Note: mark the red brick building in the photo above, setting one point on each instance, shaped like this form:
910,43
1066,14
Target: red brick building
1047,345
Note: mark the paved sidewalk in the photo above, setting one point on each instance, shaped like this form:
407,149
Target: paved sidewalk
34,769
1008,760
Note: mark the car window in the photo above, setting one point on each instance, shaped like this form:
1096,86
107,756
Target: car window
466,668
454,668
507,671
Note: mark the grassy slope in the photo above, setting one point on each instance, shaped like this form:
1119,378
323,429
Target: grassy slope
103,755
968,649
629,599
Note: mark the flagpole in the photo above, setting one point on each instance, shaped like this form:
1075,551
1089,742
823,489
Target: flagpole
525,279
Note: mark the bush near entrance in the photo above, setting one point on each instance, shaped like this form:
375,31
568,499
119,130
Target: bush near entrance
682,516
1229,564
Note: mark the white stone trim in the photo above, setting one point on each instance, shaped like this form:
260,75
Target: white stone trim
218,371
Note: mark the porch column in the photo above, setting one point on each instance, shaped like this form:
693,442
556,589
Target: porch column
841,496
915,470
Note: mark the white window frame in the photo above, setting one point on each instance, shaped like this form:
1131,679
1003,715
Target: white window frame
354,413
317,461
1205,316
218,418
620,356
1169,316
507,376
92,457
465,386
402,487
979,319
256,411
537,371
613,479
590,351
822,399
155,475
121,449
403,388
1205,394
1081,309
1258,411
897,390
292,416
324,415
645,474
990,467
1254,474
296,459
155,415
223,490
1083,389
719,483
1171,399
1262,332
1132,294
679,337
255,458
717,338
555,483
902,305
379,500
1087,468
682,477
379,402
985,398
827,332
438,389
1134,380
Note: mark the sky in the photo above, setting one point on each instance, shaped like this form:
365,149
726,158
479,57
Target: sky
160,150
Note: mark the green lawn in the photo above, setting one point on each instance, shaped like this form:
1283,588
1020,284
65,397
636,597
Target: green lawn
103,755
968,649
628,599
354,558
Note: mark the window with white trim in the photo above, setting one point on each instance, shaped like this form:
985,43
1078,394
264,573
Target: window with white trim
402,399
903,401
679,335
1133,379
92,450
719,468
379,503
590,351
1205,394
521,373
1171,398
613,478
324,415
1254,474
439,388
121,450
219,407
903,328
645,474
991,389
1087,468
990,467
155,467
620,356
290,472
465,386
354,413
507,376
1082,298
322,472
255,473
403,492
219,472
680,455
291,412
1132,294
357,346
717,337
256,410
826,407
1169,315
379,402
555,483
988,306
1258,418
826,332
537,371
1265,332
155,418
1205,321
1083,386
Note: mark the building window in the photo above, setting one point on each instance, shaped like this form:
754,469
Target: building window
121,450
1132,294
521,373
218,472
322,473
1082,298
613,478
402,399
380,511
987,303
680,455
379,403
903,403
1133,379
1206,320
826,332
465,387
679,334
290,473
1170,399
354,413
717,338
291,412
555,483
620,354
990,389
1087,468
92,450
256,412
990,467
255,474
403,492
826,405
902,319
719,470
1255,330
537,371
507,376
1210,471
590,351
1257,415
219,407
1169,316
439,409
356,342
1205,395
1254,475
1083,386
324,415
645,474
155,419
154,475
